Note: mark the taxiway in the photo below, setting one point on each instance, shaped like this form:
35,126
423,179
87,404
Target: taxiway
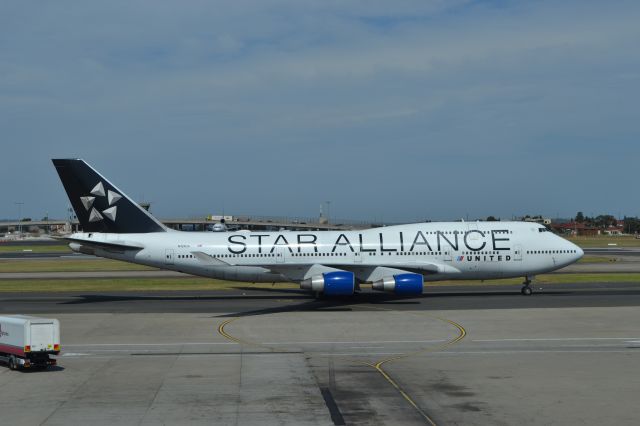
467,355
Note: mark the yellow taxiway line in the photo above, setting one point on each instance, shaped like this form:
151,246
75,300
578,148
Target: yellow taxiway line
378,366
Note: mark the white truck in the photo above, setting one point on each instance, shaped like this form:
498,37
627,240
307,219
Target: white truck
28,342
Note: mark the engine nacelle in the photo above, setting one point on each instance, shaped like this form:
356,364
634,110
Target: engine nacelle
401,284
338,283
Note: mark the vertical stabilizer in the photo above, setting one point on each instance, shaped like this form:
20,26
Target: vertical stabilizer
99,205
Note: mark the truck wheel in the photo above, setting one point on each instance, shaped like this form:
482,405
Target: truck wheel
12,363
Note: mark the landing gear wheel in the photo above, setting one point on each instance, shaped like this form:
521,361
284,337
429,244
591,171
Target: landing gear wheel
12,363
526,291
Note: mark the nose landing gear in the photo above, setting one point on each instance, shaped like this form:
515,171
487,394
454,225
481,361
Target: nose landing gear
526,288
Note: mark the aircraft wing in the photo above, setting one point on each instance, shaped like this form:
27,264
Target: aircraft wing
207,258
363,272
425,267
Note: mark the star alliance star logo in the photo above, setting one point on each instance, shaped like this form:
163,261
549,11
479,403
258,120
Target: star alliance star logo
112,198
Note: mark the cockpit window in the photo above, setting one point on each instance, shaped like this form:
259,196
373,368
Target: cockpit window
542,229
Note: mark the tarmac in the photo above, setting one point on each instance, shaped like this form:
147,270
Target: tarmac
457,355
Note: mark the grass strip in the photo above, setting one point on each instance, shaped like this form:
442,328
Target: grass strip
69,265
605,240
47,248
130,284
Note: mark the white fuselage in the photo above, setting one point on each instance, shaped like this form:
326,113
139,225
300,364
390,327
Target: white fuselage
438,251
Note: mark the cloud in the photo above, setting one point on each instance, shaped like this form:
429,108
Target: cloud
493,102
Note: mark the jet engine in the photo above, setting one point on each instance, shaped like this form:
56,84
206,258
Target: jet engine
401,284
337,283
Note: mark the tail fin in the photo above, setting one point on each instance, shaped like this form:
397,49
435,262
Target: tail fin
99,205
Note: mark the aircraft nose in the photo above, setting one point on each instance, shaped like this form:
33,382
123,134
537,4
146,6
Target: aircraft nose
579,252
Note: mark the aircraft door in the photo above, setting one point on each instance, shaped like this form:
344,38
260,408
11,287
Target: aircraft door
357,256
517,252
169,256
473,235
280,252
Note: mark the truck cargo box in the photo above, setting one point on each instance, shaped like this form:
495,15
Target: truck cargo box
28,340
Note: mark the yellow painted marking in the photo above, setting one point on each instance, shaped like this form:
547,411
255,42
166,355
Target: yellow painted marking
405,395
222,332
378,366
227,335
461,335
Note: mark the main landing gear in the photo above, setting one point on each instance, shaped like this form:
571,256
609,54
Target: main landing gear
526,288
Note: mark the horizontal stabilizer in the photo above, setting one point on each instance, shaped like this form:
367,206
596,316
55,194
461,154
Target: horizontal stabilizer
118,245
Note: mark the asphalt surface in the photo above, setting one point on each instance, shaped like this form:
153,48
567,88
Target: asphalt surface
248,301
612,251
376,362
464,354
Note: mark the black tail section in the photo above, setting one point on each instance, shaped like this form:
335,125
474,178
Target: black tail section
99,205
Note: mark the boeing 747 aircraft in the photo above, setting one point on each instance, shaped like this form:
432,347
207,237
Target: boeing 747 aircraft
397,259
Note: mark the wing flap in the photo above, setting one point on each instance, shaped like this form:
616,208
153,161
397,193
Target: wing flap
367,273
207,258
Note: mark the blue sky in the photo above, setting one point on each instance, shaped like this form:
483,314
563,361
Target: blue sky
397,111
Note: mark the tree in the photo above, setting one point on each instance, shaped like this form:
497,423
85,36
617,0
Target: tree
605,221
492,219
580,217
632,225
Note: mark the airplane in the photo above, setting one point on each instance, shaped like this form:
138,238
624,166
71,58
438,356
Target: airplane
220,226
397,259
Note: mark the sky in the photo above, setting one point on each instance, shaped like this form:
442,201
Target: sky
395,111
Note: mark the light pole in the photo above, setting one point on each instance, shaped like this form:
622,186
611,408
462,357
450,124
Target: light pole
328,211
19,204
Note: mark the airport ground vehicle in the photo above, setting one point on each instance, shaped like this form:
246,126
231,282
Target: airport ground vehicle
28,342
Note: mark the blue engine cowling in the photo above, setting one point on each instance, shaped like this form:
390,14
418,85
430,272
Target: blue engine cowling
337,283
401,284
